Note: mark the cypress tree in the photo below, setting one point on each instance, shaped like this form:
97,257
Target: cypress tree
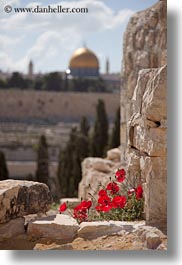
99,139
69,169
115,135
65,167
3,167
42,173
84,126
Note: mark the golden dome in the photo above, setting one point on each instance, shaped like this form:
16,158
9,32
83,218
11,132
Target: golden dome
83,58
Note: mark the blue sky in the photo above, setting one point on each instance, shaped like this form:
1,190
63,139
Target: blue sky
50,39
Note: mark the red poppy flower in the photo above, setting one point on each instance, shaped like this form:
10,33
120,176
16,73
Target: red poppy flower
120,175
119,201
62,207
102,193
83,206
80,215
113,187
106,208
104,200
86,204
139,192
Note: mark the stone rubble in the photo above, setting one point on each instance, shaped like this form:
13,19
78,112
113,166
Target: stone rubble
19,198
102,235
42,231
60,227
98,170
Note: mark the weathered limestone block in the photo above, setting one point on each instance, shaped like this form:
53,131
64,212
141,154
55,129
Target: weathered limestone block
143,77
152,240
144,47
72,202
142,59
154,169
12,229
152,237
19,198
90,230
152,141
95,171
133,165
150,38
114,155
60,227
90,183
154,98
98,164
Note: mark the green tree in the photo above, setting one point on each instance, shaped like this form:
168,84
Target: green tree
38,83
69,169
42,173
52,82
65,167
16,81
3,167
64,172
3,83
84,126
99,138
115,135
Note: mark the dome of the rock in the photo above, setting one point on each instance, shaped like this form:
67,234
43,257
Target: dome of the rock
84,63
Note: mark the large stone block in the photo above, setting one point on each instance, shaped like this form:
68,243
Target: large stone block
19,198
60,227
114,154
90,230
155,171
95,171
133,166
12,229
152,141
154,98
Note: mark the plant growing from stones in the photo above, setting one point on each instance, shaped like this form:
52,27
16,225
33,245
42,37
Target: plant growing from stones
119,200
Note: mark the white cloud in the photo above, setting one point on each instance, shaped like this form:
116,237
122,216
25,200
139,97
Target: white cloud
10,2
99,17
53,33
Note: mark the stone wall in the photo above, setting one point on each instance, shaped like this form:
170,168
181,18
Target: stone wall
143,115
53,107
143,108
147,142
144,46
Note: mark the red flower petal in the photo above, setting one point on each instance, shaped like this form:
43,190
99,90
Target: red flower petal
120,175
104,200
62,207
139,192
119,201
102,193
113,187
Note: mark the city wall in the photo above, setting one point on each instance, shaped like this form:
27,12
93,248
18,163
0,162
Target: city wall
53,107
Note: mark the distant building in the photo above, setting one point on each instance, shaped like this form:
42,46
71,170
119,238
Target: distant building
30,70
112,82
4,75
83,63
107,66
